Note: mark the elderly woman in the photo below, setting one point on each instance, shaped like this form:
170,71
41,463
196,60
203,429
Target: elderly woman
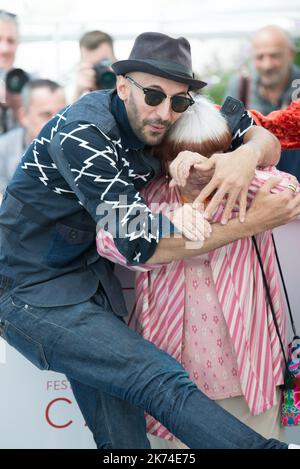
210,312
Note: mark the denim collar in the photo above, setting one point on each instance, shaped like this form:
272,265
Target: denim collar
128,137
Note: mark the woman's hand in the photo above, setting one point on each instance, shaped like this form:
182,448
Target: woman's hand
180,168
190,222
233,172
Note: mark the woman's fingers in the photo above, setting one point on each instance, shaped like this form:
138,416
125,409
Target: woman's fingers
206,192
189,232
231,200
207,229
180,167
243,205
205,165
191,223
270,183
195,223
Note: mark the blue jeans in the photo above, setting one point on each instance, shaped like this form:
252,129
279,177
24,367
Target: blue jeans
115,375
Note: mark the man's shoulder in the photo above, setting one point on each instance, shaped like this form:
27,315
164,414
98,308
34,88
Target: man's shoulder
94,108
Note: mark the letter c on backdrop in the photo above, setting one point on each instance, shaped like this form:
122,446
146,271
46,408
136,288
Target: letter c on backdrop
47,412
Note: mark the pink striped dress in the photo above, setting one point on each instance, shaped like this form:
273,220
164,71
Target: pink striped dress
207,350
250,343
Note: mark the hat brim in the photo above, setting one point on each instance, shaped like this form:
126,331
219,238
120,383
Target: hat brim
125,66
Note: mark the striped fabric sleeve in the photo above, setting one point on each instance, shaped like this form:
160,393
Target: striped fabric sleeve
107,248
263,174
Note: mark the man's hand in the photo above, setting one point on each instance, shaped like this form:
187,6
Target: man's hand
233,172
86,80
269,210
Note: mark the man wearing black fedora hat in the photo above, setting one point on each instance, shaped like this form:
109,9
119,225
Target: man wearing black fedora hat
61,304
159,55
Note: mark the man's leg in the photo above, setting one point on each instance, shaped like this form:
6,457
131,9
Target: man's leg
89,344
114,422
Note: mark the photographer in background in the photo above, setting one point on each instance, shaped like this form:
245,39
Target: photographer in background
96,57
9,39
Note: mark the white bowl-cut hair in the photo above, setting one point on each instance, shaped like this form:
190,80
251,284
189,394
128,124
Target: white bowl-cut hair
201,122
202,129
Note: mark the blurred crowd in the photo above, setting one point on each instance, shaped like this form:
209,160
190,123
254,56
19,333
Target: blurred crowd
28,102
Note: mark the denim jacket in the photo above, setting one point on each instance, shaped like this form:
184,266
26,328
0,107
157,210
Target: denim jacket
47,239
48,225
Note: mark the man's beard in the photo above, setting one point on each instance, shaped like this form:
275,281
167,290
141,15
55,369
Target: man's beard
138,127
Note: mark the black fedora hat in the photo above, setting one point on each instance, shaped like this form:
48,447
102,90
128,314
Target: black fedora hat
161,55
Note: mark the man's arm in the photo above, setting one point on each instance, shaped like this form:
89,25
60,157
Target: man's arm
104,185
265,146
266,212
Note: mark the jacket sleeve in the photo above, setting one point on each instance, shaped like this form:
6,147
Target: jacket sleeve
104,187
245,123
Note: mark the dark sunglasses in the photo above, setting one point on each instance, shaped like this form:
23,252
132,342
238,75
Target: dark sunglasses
155,97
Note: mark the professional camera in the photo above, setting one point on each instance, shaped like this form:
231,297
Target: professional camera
11,101
15,80
105,77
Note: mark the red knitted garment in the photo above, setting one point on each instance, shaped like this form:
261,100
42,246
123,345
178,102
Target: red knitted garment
285,124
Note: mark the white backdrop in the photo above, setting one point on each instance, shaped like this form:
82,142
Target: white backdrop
38,409
218,31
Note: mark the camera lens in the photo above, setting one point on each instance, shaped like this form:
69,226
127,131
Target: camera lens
105,77
108,80
15,80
